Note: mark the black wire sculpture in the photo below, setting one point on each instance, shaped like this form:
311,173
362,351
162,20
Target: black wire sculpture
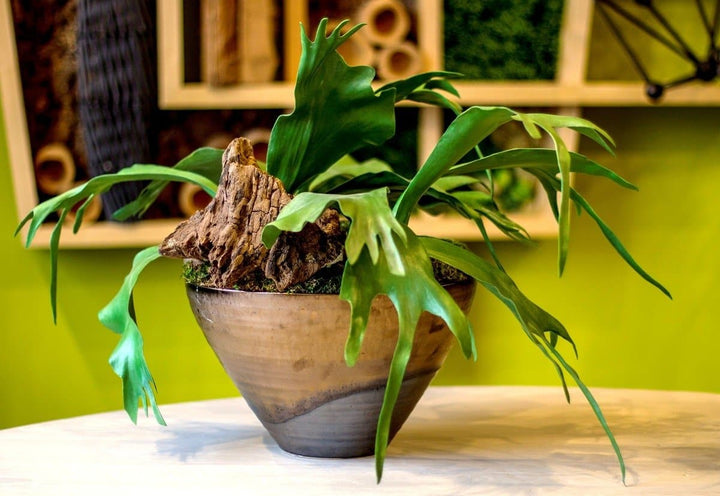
706,69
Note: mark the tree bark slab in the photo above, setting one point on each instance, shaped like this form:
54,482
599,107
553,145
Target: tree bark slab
227,234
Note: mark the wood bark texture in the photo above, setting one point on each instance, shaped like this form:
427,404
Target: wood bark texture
228,232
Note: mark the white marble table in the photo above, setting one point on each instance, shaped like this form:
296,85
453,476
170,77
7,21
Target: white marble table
459,440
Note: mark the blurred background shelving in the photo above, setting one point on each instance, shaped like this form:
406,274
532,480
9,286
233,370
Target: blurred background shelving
406,36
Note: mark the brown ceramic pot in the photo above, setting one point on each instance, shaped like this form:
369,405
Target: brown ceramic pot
284,352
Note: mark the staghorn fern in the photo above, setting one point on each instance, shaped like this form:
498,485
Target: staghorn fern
336,112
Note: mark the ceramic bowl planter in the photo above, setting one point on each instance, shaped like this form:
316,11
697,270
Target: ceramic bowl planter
284,352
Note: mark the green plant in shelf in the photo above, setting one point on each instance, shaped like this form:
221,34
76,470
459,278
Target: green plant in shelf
336,112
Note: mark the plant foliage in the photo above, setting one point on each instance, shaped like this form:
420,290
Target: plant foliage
128,360
320,131
338,111
83,194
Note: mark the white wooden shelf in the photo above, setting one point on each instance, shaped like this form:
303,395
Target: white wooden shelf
109,234
197,96
152,232
584,94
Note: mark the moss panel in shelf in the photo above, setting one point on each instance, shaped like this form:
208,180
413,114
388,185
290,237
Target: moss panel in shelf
502,39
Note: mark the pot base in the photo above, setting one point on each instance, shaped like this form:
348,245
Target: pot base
318,433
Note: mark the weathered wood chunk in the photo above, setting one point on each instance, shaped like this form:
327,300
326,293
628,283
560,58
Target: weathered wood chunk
227,233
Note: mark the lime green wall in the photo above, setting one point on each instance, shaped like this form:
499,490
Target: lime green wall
50,371
628,334
609,60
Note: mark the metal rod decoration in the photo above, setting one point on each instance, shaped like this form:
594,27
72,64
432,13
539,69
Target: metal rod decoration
664,22
678,82
705,69
618,34
641,24
706,21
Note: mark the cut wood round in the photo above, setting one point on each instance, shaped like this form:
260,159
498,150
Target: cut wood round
192,198
54,168
387,21
398,62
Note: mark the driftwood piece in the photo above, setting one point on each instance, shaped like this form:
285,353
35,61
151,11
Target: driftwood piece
227,233
54,169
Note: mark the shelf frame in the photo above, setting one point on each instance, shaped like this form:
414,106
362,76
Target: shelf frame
13,111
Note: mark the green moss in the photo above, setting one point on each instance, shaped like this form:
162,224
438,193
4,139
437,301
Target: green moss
325,281
502,39
196,272
447,274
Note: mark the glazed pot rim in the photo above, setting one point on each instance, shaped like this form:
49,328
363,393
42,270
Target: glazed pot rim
207,289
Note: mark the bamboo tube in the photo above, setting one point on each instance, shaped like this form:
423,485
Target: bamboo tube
356,50
398,62
388,22
192,198
259,137
218,42
257,53
54,168
91,213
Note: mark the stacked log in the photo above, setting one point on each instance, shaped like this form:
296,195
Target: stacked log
237,39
